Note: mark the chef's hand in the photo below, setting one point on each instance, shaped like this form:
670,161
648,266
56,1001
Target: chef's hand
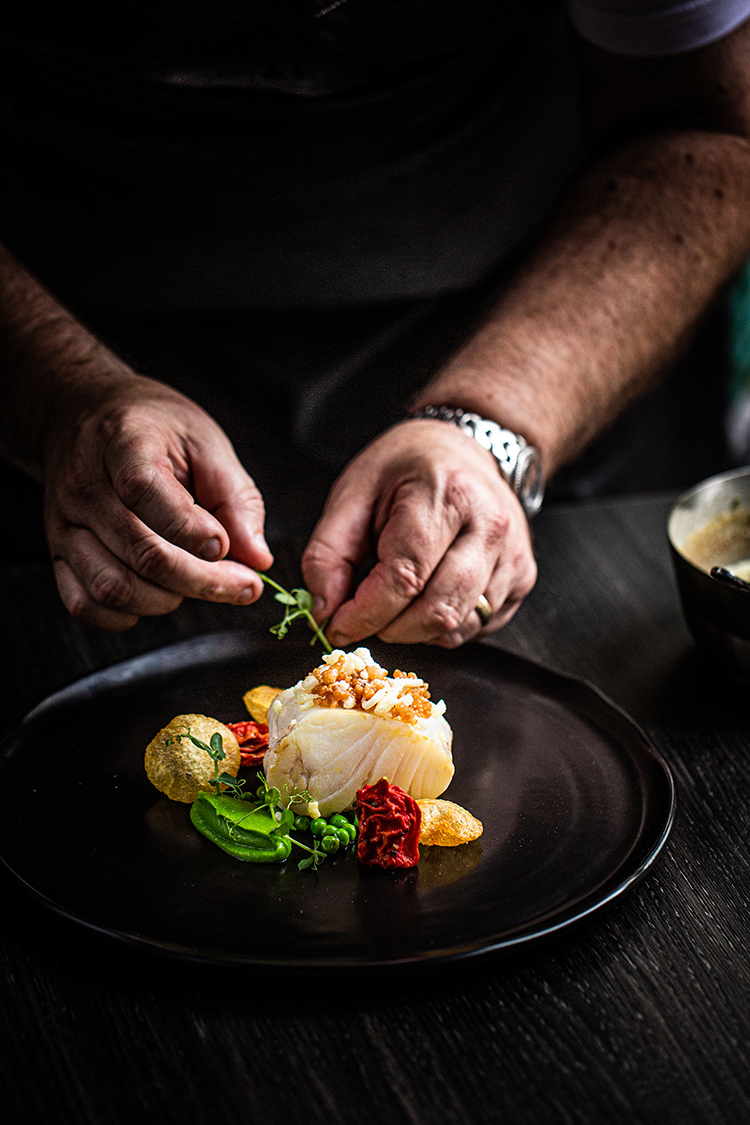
446,528
144,500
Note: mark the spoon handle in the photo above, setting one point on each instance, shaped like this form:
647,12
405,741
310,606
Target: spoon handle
721,574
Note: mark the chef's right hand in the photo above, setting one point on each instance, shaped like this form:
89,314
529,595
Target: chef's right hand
146,503
446,528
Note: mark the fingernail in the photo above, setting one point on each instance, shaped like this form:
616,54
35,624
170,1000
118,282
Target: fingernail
319,607
211,550
339,640
260,544
247,596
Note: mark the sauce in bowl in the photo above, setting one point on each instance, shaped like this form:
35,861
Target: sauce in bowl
722,541
709,526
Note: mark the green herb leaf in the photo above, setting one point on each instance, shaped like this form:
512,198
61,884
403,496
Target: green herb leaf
286,823
196,742
233,785
286,599
272,797
304,600
228,779
217,747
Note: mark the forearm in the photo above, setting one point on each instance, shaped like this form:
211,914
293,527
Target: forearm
46,357
633,258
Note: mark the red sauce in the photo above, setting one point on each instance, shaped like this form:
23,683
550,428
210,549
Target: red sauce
389,823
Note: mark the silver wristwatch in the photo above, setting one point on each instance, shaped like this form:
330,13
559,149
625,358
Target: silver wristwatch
519,462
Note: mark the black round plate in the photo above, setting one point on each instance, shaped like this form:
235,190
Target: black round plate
575,805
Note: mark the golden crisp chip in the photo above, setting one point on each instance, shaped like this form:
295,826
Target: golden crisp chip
447,825
259,699
178,767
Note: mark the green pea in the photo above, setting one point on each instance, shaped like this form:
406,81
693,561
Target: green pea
338,821
344,838
329,830
318,825
352,833
330,844
301,823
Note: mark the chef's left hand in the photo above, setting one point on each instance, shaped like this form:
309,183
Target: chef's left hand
446,528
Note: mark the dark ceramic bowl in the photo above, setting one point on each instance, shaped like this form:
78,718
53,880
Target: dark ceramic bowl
710,526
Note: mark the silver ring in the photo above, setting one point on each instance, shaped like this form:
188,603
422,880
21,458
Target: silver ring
485,610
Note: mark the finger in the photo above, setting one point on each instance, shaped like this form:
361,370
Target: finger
473,626
143,478
339,544
168,566
492,556
106,581
225,488
155,560
79,604
418,531
451,595
506,592
226,515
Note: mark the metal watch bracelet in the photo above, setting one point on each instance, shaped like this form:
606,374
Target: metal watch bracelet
519,463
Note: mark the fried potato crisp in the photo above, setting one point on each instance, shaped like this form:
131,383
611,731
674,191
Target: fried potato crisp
259,699
447,825
178,767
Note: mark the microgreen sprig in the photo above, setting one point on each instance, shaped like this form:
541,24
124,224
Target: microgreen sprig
215,751
296,603
271,797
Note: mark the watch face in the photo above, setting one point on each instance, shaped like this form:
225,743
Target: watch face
531,481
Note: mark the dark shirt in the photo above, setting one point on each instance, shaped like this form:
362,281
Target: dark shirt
285,154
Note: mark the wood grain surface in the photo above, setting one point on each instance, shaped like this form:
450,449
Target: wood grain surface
640,1015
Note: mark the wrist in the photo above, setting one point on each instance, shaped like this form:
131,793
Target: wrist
518,462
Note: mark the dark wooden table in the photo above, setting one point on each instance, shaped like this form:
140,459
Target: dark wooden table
640,1015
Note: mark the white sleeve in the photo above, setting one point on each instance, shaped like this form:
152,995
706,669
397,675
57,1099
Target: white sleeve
650,28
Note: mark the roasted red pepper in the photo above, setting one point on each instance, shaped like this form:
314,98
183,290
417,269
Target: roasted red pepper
389,822
253,740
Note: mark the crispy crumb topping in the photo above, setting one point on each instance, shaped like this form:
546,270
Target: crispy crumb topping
354,681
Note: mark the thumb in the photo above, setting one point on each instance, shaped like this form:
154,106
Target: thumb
339,544
230,493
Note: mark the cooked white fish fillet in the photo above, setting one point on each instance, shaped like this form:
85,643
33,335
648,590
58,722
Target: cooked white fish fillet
332,751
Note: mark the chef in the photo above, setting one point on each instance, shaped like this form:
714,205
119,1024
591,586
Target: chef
414,255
